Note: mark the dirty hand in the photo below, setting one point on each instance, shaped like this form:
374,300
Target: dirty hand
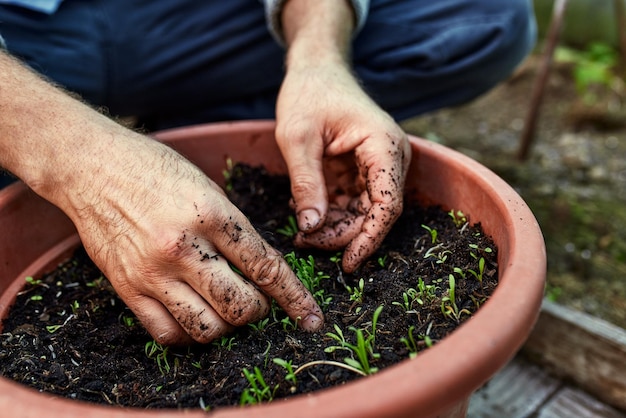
156,226
164,233
347,161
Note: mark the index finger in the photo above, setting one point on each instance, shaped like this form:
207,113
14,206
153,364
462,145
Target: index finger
383,163
262,264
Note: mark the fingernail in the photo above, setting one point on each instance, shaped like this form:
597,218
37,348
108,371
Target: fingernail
308,219
312,323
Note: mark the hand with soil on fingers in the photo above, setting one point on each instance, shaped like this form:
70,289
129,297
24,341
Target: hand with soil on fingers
347,158
159,229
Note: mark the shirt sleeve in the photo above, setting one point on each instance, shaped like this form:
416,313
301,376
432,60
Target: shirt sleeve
273,9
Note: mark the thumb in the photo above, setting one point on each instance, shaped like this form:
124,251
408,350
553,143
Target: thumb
303,154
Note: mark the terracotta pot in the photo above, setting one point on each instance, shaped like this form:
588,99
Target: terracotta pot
438,382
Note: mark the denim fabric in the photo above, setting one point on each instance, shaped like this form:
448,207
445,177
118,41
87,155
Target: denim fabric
43,6
175,62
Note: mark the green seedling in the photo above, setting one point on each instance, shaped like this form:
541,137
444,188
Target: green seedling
305,271
36,298
158,353
289,325
32,281
258,390
290,375
225,342
425,293
363,349
432,232
228,174
129,321
53,328
97,283
291,229
74,306
448,303
260,325
356,292
481,271
382,261
475,251
410,343
458,218
203,406
409,298
440,257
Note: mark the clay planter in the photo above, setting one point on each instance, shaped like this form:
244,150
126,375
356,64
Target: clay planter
36,235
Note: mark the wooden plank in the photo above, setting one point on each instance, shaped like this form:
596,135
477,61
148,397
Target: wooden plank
517,391
587,350
572,402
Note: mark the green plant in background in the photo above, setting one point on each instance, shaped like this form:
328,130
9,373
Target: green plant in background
258,390
363,350
594,66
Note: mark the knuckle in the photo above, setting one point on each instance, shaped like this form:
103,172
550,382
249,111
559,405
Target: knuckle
267,271
240,314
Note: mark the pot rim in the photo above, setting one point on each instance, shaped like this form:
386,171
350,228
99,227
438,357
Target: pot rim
480,346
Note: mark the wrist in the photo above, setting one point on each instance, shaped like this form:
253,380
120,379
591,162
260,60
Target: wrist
317,31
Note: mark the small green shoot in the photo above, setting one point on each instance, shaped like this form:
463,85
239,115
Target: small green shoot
433,233
289,325
481,270
228,174
356,292
448,303
258,390
363,349
305,271
409,342
458,218
53,328
382,261
225,342
158,353
32,281
260,325
290,375
291,229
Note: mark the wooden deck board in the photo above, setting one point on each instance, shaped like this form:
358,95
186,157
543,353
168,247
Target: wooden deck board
518,391
573,402
525,390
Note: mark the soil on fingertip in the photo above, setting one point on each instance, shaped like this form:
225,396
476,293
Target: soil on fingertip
69,334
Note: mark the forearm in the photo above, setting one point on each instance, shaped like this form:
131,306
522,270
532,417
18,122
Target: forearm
317,30
47,138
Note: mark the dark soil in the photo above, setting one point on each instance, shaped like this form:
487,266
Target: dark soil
69,334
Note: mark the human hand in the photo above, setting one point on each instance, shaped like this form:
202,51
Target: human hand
163,233
347,161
